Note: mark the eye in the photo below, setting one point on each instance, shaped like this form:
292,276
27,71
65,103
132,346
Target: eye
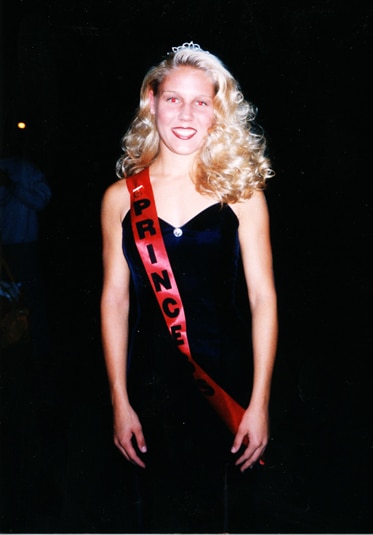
201,103
172,99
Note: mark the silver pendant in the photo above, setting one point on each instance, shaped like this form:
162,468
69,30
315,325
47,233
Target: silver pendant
177,232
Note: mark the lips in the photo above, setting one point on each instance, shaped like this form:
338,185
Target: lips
184,133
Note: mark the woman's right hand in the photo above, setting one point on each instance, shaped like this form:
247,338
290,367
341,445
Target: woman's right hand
128,434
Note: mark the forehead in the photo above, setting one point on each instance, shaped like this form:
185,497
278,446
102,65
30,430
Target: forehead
188,78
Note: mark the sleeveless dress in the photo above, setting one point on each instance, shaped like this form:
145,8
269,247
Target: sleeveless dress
178,423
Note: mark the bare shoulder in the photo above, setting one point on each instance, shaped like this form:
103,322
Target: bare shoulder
253,210
116,200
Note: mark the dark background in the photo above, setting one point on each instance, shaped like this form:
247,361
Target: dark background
72,71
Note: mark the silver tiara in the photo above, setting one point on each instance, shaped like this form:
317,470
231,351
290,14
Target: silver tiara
188,46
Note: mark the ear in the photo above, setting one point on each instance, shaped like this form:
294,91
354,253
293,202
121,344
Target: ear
152,101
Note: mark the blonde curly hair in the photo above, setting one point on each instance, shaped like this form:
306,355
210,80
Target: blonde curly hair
232,163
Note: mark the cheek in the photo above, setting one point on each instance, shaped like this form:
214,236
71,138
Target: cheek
209,121
163,115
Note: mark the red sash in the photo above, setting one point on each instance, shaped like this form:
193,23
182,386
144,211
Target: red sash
150,244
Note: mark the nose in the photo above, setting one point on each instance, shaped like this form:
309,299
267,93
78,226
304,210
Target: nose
186,111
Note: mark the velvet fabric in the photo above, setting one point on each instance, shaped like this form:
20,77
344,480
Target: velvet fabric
188,445
206,263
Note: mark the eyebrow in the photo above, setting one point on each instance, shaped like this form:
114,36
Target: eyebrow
177,92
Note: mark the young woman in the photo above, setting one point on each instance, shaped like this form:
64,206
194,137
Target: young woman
194,140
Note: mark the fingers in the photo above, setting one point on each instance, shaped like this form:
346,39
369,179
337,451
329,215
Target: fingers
129,444
241,439
130,453
249,458
251,454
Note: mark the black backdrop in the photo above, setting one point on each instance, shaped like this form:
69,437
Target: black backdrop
72,71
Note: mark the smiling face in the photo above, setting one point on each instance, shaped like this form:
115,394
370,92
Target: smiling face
183,109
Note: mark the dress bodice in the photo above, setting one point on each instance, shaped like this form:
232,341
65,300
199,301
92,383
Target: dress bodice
205,257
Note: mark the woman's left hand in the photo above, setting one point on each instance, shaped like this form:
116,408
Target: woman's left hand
253,433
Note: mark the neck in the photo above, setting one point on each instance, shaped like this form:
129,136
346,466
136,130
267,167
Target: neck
173,165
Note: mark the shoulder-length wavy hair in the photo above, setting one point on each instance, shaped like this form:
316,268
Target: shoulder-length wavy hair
232,162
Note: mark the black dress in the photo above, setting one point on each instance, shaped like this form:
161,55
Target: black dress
188,445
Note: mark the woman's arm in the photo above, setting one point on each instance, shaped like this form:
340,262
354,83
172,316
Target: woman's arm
254,235
114,322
